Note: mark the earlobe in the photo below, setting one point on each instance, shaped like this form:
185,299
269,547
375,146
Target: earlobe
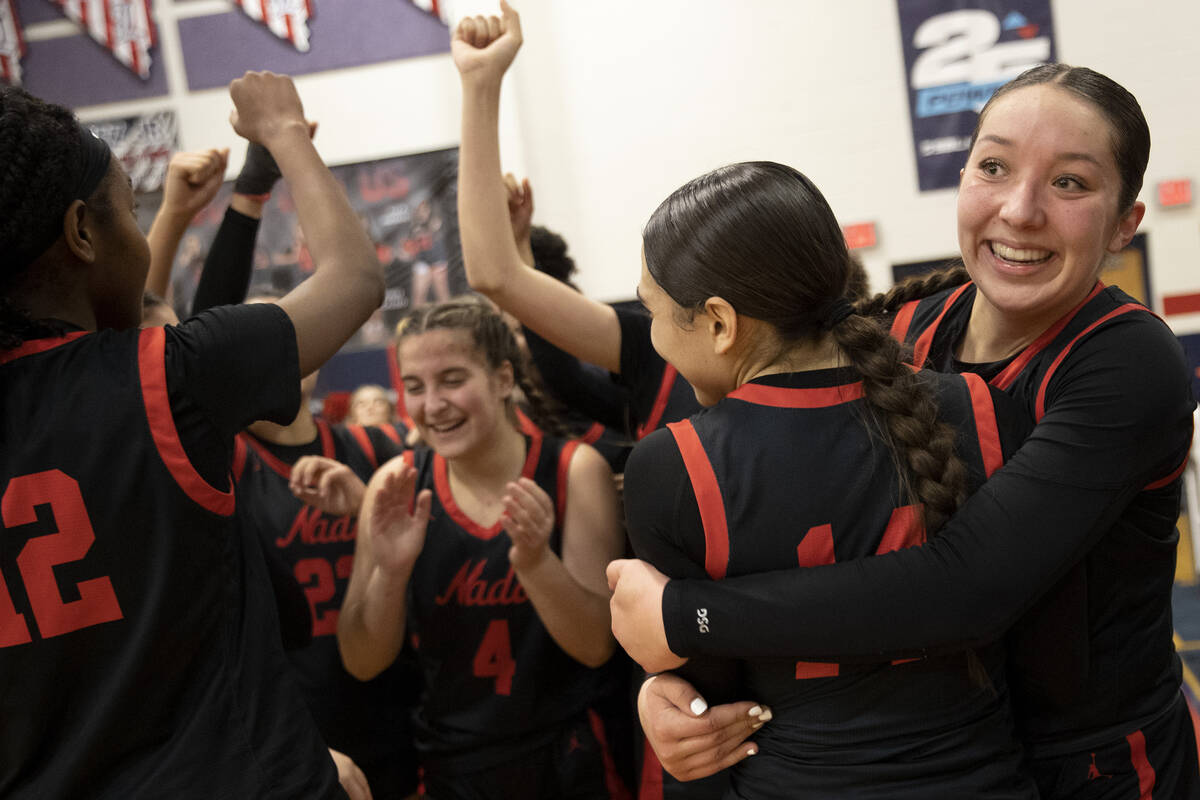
1126,228
77,232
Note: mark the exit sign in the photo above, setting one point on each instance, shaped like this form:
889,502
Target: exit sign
1175,193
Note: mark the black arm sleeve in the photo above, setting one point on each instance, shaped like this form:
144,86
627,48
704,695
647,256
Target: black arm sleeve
641,365
664,525
1118,417
225,278
583,388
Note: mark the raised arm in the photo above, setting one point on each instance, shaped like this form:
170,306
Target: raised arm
569,592
483,48
192,181
372,621
347,286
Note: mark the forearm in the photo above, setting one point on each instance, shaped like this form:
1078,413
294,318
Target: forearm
225,278
349,278
372,623
577,619
164,236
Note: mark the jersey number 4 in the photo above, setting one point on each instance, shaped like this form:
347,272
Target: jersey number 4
97,602
494,657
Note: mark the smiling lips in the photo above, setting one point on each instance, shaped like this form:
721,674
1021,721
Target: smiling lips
446,427
1019,256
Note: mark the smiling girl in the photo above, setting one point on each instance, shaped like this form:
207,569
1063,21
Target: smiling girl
504,596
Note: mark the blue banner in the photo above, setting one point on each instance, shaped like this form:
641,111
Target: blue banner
956,54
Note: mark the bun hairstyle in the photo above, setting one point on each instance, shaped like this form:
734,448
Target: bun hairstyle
494,342
1127,124
47,161
761,236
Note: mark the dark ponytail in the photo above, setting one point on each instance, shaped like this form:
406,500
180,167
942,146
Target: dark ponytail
761,236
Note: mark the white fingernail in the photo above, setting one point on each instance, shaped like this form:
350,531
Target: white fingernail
754,712
699,706
752,751
756,726
765,716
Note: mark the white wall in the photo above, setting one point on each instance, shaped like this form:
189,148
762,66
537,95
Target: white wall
613,104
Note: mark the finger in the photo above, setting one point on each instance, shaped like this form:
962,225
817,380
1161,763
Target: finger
481,31
423,504
538,496
527,191
327,481
312,129
524,506
465,32
493,29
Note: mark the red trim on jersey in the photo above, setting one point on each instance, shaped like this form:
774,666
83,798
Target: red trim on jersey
389,430
925,340
905,528
39,346
783,397
612,780
1141,765
807,670
409,458
1039,409
241,452
903,320
986,429
441,484
660,402
152,366
592,434
282,467
525,424
708,498
564,467
1161,482
364,442
651,787
1006,378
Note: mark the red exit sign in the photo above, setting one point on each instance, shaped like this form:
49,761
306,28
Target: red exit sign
1175,193
859,235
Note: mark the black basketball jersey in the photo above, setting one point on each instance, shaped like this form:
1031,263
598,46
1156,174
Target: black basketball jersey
138,653
785,472
366,720
1120,593
496,685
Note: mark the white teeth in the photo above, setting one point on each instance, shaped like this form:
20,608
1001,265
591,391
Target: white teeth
1025,256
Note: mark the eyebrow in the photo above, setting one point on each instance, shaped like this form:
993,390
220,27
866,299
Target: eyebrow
1000,140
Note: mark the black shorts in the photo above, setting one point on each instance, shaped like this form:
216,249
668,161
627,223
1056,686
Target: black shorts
575,765
1158,761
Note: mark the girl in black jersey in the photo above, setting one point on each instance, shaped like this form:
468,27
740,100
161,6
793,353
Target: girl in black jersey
1083,516
503,598
818,445
136,642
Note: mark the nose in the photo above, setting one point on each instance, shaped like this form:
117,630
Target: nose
1022,206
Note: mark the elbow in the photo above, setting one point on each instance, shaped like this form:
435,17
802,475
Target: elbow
595,657
358,667
488,285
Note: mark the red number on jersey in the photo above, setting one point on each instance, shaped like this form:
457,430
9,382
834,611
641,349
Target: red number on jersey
322,591
904,529
494,658
97,601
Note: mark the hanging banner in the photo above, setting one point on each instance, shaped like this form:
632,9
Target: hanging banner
287,19
144,145
12,43
123,27
442,9
956,54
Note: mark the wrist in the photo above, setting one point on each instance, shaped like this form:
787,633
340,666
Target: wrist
287,133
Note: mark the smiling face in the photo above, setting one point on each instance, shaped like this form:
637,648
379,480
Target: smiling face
1038,206
455,399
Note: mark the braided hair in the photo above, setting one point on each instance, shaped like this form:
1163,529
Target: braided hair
915,288
494,341
44,162
761,236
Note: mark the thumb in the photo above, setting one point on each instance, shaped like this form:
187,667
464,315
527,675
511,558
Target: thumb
681,694
423,504
613,572
511,19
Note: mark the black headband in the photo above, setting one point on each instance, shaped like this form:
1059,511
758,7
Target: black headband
94,156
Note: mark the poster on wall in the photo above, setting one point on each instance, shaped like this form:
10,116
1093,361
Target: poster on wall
956,54
143,143
407,205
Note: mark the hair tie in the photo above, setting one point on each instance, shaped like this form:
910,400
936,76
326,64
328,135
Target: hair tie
94,157
837,312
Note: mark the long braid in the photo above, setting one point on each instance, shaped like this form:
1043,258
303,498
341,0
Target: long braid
906,409
930,283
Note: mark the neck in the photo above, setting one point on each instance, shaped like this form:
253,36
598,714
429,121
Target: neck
994,334
301,430
804,357
493,463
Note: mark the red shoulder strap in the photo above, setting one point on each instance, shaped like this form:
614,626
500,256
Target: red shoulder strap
708,497
660,402
986,429
364,443
925,340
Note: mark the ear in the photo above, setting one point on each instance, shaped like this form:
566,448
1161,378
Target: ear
505,378
79,231
1126,227
722,323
